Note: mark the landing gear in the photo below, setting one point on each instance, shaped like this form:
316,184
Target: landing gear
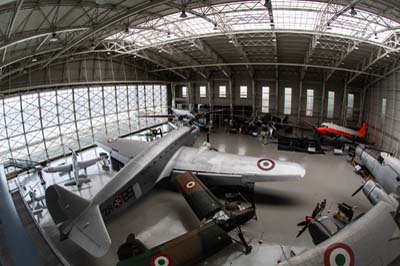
247,247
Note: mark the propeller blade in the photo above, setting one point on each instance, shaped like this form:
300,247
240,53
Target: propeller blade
310,124
358,190
316,211
303,223
156,116
216,111
302,231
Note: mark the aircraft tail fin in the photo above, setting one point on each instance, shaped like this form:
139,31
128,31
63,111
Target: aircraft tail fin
78,220
363,130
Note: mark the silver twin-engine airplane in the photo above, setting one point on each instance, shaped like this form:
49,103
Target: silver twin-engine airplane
81,220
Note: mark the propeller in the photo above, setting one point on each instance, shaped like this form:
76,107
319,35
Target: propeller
308,219
358,190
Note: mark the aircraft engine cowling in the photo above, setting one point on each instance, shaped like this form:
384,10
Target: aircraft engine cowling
375,193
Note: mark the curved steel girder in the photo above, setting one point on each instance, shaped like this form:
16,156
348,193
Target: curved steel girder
71,3
309,32
37,34
37,65
272,64
111,21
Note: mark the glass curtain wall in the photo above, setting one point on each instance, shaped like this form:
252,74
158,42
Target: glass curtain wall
42,125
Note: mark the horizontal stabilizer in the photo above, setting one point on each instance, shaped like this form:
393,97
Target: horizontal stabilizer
82,224
90,233
188,249
64,205
203,203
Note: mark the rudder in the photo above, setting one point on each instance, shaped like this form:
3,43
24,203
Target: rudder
64,205
363,130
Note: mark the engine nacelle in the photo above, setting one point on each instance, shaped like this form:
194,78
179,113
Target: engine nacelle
375,193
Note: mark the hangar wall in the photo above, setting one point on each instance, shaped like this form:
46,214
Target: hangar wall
243,106
382,113
69,105
79,70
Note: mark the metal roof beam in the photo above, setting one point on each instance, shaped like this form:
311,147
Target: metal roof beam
11,24
322,27
377,55
158,60
272,64
111,21
343,55
215,57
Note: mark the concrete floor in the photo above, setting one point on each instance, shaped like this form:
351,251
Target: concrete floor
164,214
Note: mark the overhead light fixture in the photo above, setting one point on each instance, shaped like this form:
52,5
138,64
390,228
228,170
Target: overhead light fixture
317,42
376,36
356,48
108,52
329,26
183,14
274,39
353,11
34,59
159,50
215,26
169,34
126,30
230,41
387,55
135,56
53,37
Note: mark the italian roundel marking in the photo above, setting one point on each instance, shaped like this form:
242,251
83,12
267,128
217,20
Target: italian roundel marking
190,185
161,260
339,254
265,164
117,203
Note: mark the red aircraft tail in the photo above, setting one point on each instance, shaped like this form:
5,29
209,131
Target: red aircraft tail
363,130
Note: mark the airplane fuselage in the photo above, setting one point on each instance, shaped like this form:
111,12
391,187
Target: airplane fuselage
141,174
384,173
332,129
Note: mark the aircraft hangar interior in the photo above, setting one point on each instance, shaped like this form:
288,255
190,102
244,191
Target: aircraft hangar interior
200,132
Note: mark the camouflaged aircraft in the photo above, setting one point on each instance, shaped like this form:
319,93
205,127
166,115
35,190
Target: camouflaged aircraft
82,220
371,239
202,242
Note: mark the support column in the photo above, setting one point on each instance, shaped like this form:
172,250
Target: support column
361,116
344,105
253,94
230,97
277,90
190,95
299,102
321,117
210,92
173,96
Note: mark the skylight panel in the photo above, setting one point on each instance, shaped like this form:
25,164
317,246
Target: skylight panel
253,16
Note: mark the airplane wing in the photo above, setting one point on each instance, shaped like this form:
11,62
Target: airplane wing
125,147
208,164
87,163
203,203
58,168
187,249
